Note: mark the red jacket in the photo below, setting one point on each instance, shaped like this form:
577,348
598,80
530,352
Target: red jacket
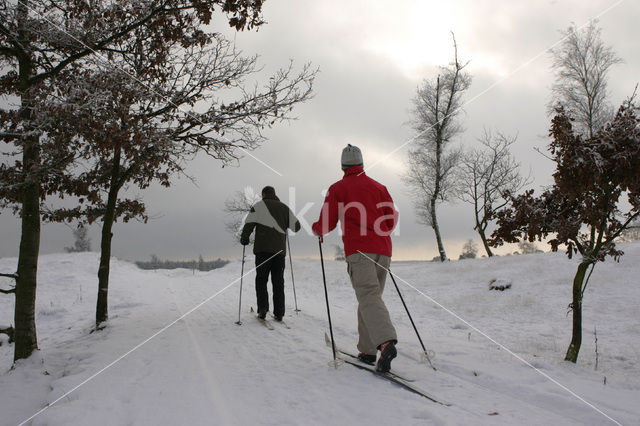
365,210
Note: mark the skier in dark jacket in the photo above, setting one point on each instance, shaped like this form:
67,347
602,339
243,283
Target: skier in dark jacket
270,218
367,214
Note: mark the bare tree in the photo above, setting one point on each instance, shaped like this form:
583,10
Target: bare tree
581,64
237,207
82,243
469,250
527,247
431,163
150,124
485,175
40,40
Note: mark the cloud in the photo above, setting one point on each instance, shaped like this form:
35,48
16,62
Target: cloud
372,55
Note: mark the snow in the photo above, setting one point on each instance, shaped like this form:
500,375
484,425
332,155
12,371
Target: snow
171,353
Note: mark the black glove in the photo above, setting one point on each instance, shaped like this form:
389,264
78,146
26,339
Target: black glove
244,240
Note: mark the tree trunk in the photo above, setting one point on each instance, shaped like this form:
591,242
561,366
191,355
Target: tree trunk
26,283
436,230
576,307
483,237
102,307
24,315
436,190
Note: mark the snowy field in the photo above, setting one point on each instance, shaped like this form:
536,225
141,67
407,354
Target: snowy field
172,355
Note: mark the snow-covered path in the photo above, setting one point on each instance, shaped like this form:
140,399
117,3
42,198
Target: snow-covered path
204,369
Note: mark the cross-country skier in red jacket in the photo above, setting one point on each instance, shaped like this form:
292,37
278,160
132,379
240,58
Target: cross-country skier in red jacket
367,216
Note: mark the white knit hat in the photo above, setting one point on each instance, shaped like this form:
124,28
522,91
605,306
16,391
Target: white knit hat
351,156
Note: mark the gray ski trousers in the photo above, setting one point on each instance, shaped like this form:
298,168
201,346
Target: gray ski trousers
368,273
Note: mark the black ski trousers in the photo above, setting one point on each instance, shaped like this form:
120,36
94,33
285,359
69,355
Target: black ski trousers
267,263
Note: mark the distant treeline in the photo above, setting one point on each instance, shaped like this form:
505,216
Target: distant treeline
200,264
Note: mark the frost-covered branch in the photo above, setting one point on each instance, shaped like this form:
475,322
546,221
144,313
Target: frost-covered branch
238,206
11,290
432,161
581,64
579,209
55,38
485,175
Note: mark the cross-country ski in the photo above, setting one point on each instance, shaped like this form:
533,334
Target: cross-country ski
354,357
397,381
280,322
265,322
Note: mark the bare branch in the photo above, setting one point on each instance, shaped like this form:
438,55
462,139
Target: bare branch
11,290
485,175
432,161
14,276
539,151
238,206
581,64
9,331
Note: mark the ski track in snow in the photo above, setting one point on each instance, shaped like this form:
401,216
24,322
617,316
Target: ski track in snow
206,370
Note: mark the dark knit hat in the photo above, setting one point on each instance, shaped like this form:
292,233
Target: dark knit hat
268,191
351,156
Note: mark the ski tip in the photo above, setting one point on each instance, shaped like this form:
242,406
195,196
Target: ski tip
336,363
265,323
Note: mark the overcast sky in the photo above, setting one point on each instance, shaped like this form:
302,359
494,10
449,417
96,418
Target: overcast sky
372,55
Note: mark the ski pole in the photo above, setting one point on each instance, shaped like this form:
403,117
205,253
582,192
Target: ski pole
425,353
241,276
293,281
335,362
